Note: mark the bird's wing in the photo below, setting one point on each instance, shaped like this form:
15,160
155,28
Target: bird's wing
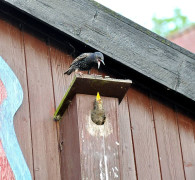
81,57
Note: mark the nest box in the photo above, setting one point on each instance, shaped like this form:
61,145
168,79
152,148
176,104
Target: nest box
89,133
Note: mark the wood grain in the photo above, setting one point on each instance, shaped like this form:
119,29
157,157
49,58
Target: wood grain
168,140
127,161
12,50
143,132
60,61
186,131
44,131
119,38
69,144
99,144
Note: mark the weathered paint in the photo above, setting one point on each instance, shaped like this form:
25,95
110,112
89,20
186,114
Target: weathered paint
5,169
3,92
10,102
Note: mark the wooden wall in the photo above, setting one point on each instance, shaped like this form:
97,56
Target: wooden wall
157,139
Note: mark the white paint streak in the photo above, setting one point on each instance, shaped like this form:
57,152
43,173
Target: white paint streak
117,143
106,166
105,160
115,174
101,171
82,134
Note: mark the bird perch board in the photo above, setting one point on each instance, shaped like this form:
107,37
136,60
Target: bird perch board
91,84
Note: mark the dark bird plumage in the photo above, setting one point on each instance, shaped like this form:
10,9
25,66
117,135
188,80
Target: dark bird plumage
85,62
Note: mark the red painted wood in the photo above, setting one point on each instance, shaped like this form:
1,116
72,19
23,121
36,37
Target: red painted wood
187,137
143,132
127,161
44,131
6,172
12,51
69,144
5,169
60,61
3,93
168,140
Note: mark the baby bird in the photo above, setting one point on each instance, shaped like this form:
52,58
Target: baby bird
85,62
98,114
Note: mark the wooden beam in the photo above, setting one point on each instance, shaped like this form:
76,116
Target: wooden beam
119,38
91,84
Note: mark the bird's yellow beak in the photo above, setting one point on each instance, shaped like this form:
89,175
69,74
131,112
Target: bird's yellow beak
98,96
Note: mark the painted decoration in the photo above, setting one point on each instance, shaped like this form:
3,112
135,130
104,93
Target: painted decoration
12,162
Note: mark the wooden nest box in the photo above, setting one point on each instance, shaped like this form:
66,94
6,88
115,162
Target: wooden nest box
86,146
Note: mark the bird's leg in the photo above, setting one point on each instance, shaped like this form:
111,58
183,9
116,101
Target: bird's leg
78,72
81,74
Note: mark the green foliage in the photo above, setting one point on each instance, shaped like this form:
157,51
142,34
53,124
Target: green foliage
168,26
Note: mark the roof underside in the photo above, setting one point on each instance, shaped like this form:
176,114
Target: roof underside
119,38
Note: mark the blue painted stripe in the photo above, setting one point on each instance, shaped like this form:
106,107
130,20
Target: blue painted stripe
7,133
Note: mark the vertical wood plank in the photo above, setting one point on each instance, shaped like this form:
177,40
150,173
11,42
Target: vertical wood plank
186,130
127,162
99,144
69,143
112,142
143,132
12,50
168,140
44,131
60,62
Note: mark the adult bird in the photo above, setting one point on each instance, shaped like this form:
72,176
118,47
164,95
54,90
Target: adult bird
85,62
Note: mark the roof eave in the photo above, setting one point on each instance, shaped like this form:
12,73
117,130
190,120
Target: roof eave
119,38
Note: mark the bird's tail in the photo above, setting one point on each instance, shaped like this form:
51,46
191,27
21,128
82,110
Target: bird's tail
69,71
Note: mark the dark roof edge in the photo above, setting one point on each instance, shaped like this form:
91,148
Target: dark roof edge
131,23
172,78
144,30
